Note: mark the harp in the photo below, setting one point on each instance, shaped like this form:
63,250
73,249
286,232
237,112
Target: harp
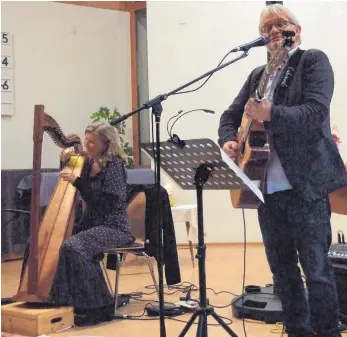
46,237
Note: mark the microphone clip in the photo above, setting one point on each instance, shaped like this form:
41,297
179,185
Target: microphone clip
177,141
288,33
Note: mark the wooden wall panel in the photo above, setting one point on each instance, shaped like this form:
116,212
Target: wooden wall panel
134,92
131,7
112,5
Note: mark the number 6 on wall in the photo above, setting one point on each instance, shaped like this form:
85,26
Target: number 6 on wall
5,85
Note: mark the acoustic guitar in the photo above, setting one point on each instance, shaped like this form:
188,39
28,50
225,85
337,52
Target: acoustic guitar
338,200
254,152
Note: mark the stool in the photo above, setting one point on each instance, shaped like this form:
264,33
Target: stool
137,249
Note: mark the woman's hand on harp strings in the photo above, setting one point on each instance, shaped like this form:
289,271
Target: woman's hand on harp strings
67,175
66,154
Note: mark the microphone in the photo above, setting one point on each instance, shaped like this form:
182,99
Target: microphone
118,120
260,41
208,111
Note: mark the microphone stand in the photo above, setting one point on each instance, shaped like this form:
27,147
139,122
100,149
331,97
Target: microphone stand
157,109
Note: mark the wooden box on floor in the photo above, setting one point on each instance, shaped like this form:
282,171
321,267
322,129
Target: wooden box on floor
25,319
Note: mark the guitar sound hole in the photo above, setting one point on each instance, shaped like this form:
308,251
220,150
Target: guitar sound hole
257,139
255,171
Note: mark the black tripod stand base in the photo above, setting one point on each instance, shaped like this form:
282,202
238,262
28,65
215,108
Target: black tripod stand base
203,313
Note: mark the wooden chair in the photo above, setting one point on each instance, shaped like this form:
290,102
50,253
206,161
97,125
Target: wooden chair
136,213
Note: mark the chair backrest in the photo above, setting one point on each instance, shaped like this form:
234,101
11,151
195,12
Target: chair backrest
140,177
136,211
137,206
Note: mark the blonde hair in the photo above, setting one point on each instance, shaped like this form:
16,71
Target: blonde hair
276,9
110,137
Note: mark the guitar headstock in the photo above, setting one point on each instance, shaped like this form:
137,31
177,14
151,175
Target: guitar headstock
282,51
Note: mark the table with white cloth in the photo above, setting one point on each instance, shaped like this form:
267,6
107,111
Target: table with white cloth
188,215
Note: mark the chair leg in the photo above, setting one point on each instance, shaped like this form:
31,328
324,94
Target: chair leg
190,243
151,269
116,282
106,276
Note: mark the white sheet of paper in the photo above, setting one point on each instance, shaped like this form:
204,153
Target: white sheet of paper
241,175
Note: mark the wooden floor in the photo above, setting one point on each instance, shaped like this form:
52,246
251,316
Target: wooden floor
224,271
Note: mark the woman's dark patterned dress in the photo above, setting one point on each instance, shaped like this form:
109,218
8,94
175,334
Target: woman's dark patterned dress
79,280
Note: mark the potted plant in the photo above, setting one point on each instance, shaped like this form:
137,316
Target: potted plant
104,113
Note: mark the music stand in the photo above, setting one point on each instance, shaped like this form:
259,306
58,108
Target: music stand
191,168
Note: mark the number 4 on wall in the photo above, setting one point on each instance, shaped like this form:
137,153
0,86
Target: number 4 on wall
5,62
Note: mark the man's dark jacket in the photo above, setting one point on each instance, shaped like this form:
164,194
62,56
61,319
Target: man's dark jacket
300,123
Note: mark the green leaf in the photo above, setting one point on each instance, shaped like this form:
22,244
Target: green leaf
129,151
130,162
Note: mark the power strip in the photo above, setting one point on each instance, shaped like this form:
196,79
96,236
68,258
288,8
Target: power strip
190,305
152,310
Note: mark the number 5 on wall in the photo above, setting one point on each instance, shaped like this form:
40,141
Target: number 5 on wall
5,38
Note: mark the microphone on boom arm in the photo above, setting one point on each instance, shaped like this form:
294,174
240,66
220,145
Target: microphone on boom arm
260,41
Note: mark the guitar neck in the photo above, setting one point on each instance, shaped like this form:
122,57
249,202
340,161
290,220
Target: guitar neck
261,90
270,68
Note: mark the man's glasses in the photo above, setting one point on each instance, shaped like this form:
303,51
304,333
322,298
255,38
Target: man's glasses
280,24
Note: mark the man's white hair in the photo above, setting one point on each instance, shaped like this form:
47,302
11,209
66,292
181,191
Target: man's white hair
276,9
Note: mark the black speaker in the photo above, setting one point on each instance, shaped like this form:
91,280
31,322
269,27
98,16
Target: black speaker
258,303
262,304
340,271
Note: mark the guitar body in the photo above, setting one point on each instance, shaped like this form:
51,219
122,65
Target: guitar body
252,159
338,201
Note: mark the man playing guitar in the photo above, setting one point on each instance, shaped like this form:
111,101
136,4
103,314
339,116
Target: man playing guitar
304,166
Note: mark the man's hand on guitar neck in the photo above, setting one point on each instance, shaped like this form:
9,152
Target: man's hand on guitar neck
231,148
259,111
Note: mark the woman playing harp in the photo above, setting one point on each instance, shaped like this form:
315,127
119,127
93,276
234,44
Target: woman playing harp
79,281
104,224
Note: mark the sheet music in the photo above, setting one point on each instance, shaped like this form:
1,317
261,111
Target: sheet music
241,175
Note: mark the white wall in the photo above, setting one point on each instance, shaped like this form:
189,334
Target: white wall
72,59
186,39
